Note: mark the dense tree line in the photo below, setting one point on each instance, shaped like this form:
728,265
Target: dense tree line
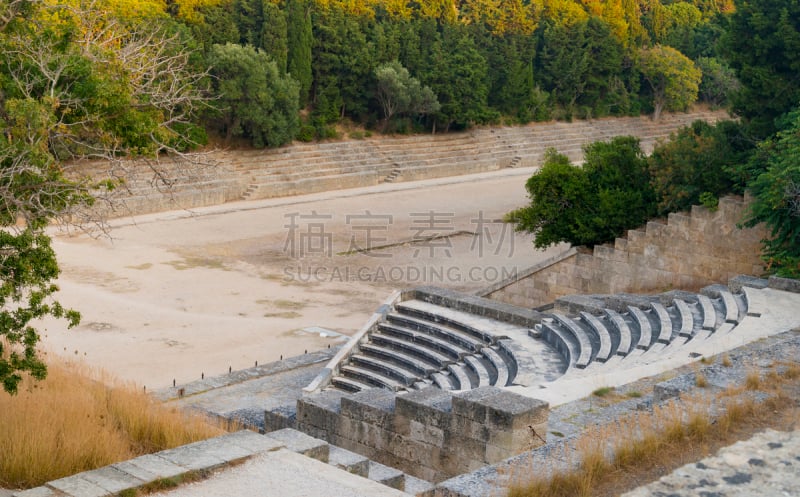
760,152
483,60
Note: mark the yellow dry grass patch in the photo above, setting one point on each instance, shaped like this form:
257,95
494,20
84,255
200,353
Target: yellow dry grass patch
78,419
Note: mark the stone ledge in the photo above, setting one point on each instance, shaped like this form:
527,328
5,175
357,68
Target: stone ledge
172,463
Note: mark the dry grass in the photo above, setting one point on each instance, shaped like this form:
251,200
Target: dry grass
656,442
73,421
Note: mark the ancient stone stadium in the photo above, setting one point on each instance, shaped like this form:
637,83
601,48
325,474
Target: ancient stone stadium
443,393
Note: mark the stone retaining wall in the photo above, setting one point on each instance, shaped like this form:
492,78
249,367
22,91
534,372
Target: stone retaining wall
687,252
431,434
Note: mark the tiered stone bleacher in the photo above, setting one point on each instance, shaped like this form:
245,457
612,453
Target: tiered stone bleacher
420,344
588,338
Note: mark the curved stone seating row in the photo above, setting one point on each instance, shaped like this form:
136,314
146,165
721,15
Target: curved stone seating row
589,338
413,347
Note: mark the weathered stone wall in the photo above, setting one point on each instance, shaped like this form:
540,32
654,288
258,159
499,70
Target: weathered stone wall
431,434
687,252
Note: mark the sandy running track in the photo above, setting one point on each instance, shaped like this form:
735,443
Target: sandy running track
176,294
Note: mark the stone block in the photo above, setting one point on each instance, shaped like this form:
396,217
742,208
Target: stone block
252,441
462,447
320,410
193,457
36,492
150,467
375,406
112,479
471,405
280,417
393,478
425,433
75,486
477,430
430,406
348,461
784,284
301,443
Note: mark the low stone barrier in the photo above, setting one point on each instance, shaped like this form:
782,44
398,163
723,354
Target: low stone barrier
431,434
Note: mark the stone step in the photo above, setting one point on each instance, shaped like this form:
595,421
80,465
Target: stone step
451,335
413,349
459,372
583,344
686,318
567,347
350,384
348,461
420,367
499,364
371,377
452,350
600,330
664,323
442,316
623,331
645,328
385,475
385,368
709,313
480,370
443,381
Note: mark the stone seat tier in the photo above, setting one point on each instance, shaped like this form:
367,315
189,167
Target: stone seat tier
686,318
500,366
709,313
420,367
461,376
442,319
443,381
386,368
623,330
349,384
664,323
480,370
645,328
433,328
581,339
450,349
412,349
371,377
600,330
567,347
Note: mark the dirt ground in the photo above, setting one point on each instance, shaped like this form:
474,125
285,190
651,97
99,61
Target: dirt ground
179,294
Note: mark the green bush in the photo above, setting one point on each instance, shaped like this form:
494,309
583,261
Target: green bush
592,204
699,160
306,133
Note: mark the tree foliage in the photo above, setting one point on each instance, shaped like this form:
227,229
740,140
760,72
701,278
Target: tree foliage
697,163
762,44
673,78
776,193
108,81
591,204
400,93
255,100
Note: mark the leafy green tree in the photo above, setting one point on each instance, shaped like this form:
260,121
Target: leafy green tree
762,44
776,198
255,99
299,43
719,81
400,93
274,36
564,63
697,162
77,82
673,78
591,204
